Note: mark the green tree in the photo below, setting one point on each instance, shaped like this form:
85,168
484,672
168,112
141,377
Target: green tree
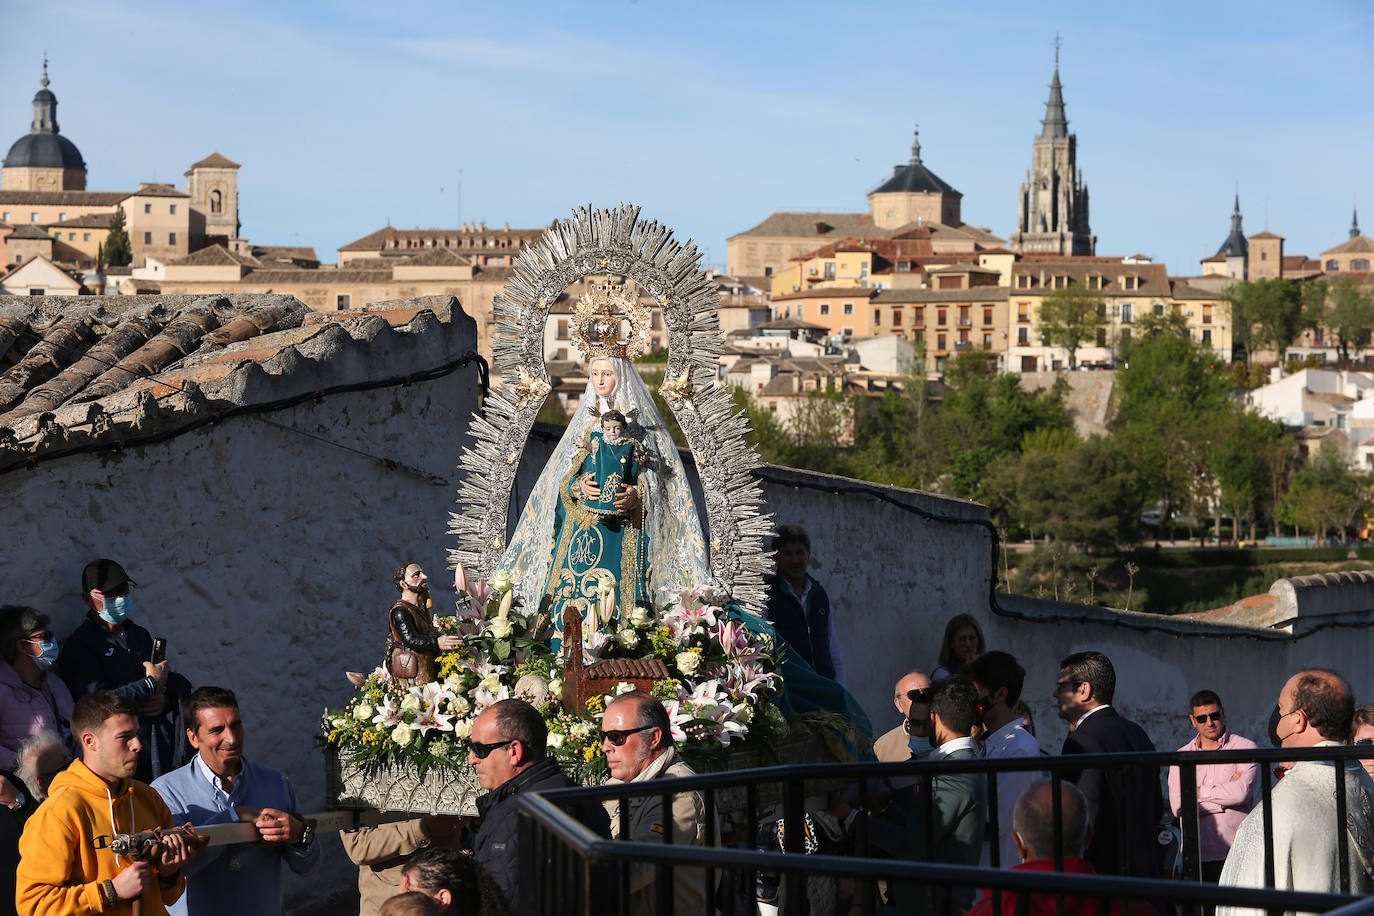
115,251
1071,317
1168,398
1349,313
1266,314
1240,453
1326,495
1089,496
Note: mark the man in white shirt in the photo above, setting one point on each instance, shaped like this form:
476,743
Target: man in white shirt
999,677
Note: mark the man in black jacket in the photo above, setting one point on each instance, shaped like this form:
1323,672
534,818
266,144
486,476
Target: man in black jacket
507,748
108,651
1125,804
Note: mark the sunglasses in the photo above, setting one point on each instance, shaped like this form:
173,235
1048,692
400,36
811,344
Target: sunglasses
1061,686
919,696
1205,717
618,737
480,750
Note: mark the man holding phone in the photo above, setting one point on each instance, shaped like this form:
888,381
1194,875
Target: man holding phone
108,651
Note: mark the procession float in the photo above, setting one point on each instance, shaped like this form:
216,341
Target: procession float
608,580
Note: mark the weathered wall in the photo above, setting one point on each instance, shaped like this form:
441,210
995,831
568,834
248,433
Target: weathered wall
263,554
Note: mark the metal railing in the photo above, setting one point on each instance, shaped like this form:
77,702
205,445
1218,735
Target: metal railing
567,869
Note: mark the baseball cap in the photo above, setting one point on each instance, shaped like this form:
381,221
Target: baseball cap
104,576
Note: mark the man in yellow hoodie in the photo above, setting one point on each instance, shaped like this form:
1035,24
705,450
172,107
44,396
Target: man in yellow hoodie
60,870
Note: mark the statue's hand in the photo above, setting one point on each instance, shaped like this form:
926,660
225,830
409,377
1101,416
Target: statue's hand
628,498
587,484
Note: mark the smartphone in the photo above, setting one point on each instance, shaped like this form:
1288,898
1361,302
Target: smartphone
159,651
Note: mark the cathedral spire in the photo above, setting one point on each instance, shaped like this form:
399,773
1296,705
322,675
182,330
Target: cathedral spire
44,107
1235,215
1354,223
916,147
1056,123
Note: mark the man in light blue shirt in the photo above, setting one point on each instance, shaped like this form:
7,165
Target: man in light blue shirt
219,786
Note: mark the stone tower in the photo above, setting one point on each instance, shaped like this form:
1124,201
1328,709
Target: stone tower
43,159
213,184
1053,212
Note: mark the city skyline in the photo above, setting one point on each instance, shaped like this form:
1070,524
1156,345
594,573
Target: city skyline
346,117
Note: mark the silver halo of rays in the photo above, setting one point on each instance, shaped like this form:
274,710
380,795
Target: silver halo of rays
618,241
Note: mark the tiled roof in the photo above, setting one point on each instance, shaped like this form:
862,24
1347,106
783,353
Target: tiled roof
95,370
788,324
56,198
1360,244
377,241
1181,290
974,296
85,221
28,231
1266,234
435,257
829,292
216,256
1154,280
272,275
792,224
158,190
285,253
215,161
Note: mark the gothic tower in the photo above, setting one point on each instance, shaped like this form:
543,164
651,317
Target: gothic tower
1053,212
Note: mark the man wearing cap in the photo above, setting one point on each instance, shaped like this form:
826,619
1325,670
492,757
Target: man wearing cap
108,651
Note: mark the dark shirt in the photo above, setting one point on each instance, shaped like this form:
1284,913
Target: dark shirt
496,849
11,826
806,630
94,658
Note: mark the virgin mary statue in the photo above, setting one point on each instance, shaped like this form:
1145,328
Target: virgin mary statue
569,547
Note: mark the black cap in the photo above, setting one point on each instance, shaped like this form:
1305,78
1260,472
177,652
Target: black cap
104,576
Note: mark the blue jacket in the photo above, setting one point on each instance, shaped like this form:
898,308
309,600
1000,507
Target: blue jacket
806,630
243,877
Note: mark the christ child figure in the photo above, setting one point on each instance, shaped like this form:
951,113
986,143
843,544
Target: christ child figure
611,461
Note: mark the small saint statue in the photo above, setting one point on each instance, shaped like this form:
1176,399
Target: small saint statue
611,461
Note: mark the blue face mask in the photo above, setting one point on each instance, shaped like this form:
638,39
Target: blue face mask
114,610
47,655
920,746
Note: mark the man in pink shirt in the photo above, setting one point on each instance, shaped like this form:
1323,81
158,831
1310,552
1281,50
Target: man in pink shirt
1225,792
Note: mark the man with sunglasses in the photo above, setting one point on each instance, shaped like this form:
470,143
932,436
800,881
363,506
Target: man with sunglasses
1225,791
508,750
896,746
637,736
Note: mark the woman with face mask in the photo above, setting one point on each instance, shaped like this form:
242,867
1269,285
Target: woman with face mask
32,698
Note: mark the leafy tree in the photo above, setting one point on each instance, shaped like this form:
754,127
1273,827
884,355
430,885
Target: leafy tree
1240,458
116,252
1326,495
1071,317
1089,496
1349,313
1266,314
1169,396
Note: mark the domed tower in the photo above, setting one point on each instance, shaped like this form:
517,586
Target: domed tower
43,159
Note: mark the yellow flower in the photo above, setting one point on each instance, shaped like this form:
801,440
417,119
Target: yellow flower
595,704
589,753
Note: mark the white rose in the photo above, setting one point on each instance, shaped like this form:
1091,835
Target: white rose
462,728
338,721
556,687
411,703
501,581
362,712
459,706
688,662
453,682
501,627
627,638
491,682
640,617
604,587
555,740
623,687
402,734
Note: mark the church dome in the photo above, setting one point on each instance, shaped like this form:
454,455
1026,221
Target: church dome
44,151
44,147
914,177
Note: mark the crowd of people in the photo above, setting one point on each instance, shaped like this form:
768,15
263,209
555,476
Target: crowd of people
100,738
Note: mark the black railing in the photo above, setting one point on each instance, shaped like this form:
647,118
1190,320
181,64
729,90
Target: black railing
569,870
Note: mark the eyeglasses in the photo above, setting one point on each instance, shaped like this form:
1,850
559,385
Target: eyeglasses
1362,742
480,750
45,636
1061,686
618,737
1204,717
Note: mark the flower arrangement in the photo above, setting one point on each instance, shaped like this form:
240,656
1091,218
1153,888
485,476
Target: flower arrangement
720,692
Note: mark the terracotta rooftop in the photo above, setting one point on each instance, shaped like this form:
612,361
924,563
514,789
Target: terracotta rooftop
381,239
215,161
216,256
28,231
85,221
1360,244
158,190
71,198
977,294
89,371
827,292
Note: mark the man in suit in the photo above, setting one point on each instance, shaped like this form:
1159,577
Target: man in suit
1125,804
958,810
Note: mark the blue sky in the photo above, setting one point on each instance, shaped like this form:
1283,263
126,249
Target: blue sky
710,115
